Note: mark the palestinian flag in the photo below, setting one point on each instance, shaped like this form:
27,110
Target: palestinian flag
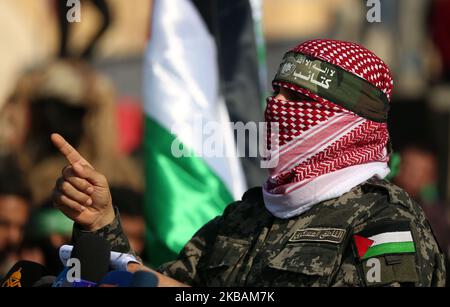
384,239
187,184
236,27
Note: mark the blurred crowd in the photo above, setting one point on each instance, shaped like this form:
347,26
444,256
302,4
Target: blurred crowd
65,94
68,97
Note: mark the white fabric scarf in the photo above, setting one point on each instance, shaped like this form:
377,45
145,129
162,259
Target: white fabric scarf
325,187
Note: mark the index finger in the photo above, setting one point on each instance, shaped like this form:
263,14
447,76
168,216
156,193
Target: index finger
70,153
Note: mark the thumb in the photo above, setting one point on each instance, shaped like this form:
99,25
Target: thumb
90,174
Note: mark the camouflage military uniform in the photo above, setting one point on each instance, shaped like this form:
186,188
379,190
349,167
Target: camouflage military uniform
247,246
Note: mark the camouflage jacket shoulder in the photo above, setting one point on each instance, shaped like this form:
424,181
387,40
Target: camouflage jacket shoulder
247,246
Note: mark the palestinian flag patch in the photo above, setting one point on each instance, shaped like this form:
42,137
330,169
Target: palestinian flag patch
384,239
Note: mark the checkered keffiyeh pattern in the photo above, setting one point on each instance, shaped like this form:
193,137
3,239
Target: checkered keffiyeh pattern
318,137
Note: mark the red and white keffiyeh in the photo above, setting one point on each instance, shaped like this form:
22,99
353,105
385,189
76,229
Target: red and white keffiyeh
325,150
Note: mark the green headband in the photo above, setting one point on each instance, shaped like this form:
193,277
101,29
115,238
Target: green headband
334,84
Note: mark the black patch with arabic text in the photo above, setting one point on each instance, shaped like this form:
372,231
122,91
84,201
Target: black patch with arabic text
330,235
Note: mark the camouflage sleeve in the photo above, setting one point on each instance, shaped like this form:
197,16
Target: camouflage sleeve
113,233
185,267
393,247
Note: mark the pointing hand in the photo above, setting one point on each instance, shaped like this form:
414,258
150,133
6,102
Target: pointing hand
81,192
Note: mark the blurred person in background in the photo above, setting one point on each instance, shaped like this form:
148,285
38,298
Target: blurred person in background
47,231
418,173
13,124
438,95
73,99
14,211
440,32
418,177
31,250
64,26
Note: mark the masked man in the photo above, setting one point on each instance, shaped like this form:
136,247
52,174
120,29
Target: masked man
324,217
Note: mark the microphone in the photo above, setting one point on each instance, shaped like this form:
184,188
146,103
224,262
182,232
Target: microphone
90,257
93,253
144,279
118,261
44,282
23,274
116,279
61,280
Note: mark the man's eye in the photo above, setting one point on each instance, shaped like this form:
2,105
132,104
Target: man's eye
294,96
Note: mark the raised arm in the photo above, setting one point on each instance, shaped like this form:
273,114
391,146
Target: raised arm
83,195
